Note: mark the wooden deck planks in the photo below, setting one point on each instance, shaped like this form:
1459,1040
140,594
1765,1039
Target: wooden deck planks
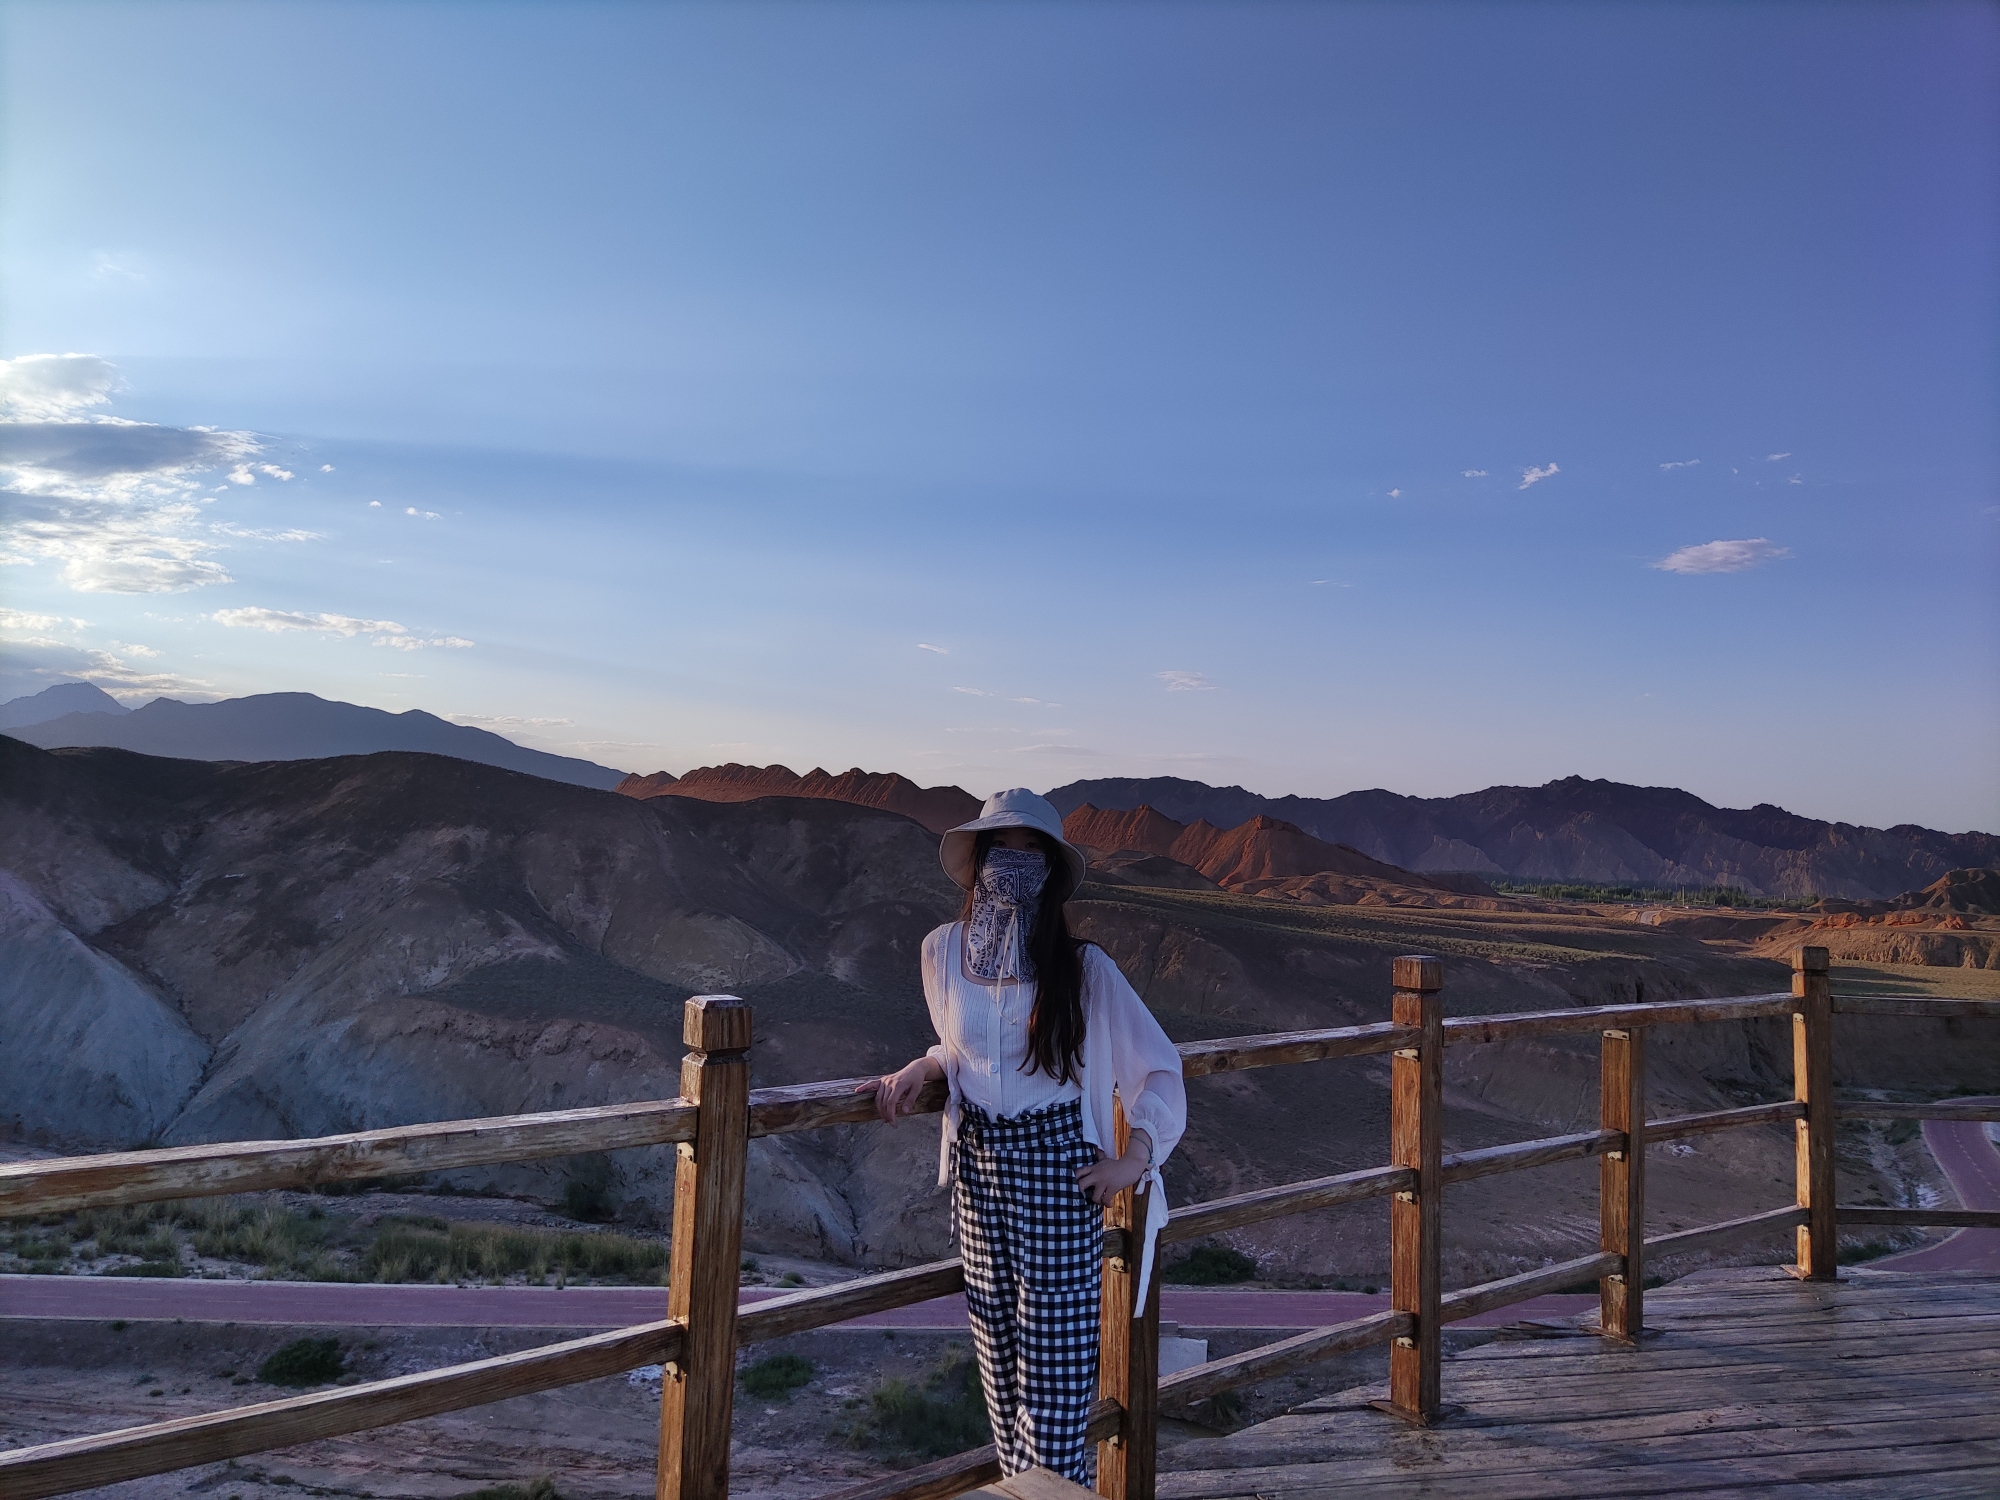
1879,1384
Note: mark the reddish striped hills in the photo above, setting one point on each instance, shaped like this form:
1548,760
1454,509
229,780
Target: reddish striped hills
936,807
1266,856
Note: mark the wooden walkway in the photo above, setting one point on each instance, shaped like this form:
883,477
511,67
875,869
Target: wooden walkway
1880,1385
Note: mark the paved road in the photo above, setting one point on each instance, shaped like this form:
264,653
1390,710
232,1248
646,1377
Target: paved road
1971,1163
368,1305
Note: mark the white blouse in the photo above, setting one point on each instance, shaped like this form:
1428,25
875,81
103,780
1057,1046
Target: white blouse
983,1032
986,1025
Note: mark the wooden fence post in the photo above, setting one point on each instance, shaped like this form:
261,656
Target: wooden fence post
1416,1140
1621,1184
1128,1350
1812,1085
699,1389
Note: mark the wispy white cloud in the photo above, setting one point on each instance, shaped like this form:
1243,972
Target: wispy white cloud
328,469
1796,479
927,646
1686,463
1771,458
1536,475
506,721
1185,682
108,267
1477,473
973,692
428,515
383,632
374,504
117,503
1723,557
1396,494
54,387
19,620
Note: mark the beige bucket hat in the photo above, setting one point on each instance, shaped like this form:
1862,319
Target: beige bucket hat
1016,807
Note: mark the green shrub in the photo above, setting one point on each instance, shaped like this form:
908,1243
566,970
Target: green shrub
535,1489
304,1362
943,1414
413,1251
1211,1265
776,1375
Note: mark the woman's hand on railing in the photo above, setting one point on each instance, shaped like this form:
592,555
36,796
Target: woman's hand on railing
1106,1178
896,1093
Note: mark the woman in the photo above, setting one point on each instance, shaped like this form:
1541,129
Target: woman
1036,1030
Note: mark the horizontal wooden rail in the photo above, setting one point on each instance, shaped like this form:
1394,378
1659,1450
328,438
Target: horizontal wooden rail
1613,1017
1474,1300
65,1184
967,1471
1288,1198
833,1101
62,1184
1911,1005
1938,1218
1695,1239
1949,1109
133,1452
1234,1053
1517,1156
1678,1126
1281,1358
797,1312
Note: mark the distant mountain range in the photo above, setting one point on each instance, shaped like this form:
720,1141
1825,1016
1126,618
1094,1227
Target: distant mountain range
273,726
1602,832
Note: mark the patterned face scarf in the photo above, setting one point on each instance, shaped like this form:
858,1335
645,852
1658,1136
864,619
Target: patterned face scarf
1005,899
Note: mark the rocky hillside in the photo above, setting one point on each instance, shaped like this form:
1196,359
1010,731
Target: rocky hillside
1600,832
195,951
294,726
936,807
1260,856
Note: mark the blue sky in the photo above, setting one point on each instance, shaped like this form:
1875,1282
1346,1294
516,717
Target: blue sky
1311,397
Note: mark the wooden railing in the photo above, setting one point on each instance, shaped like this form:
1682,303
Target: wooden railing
711,1125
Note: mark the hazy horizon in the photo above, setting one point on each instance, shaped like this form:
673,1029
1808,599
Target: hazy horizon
1311,399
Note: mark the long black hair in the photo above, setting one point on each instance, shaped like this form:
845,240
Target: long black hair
1055,1026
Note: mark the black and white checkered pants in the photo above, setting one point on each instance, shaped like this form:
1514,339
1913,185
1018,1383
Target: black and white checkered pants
1032,1245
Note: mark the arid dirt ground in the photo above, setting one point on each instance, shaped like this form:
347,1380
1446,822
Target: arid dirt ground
596,1440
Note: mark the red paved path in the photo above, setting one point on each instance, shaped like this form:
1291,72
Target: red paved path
1971,1164
369,1305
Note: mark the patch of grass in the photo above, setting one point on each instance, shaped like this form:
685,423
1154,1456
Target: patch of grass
304,1362
543,1488
415,1252
1851,1255
776,1375
941,1414
1211,1265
